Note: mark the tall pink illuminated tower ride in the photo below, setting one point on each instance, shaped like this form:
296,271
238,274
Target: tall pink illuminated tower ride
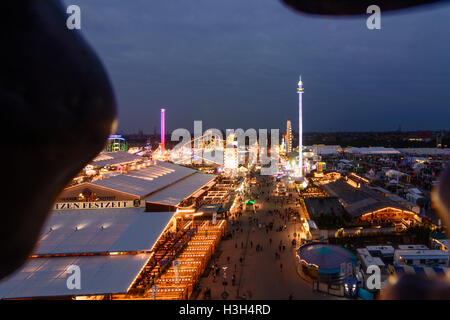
300,126
163,130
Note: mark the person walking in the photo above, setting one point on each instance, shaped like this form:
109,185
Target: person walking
281,267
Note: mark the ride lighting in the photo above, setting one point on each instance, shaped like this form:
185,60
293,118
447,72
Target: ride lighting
353,183
80,226
188,225
197,214
185,211
359,177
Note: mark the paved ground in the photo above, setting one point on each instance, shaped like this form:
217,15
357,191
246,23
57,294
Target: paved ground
260,276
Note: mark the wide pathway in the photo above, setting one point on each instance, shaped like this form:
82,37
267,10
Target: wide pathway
260,275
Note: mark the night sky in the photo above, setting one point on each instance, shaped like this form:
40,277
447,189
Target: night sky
235,64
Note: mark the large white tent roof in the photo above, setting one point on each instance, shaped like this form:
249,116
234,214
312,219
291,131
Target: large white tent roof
176,193
146,181
94,231
326,149
372,150
425,151
113,158
47,277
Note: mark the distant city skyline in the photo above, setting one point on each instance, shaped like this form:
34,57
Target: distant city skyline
294,133
235,65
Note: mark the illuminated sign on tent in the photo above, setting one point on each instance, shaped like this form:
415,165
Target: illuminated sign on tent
98,205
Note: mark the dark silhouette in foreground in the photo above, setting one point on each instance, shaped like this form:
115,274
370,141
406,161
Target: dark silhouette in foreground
351,7
58,108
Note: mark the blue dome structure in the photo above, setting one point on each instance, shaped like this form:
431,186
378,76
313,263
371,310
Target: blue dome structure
323,261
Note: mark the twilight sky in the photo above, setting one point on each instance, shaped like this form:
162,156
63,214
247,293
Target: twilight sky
235,64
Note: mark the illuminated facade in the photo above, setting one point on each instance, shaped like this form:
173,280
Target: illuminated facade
116,143
300,126
231,159
253,158
390,214
231,156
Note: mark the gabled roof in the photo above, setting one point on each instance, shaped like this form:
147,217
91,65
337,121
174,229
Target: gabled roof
96,231
141,183
47,277
114,158
358,201
181,190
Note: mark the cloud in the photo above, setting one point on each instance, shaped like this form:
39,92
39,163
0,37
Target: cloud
235,64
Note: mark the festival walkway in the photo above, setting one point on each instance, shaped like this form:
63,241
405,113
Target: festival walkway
260,275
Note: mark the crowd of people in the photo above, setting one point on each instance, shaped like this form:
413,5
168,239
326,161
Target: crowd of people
246,228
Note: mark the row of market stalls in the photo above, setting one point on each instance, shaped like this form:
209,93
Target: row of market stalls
329,150
179,275
222,198
128,236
